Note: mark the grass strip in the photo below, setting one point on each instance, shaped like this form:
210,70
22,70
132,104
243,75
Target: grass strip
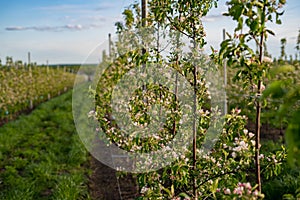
41,156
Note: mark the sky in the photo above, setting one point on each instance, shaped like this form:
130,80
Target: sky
67,31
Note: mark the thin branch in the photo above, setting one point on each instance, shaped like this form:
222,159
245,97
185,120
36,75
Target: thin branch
178,29
165,47
216,176
256,40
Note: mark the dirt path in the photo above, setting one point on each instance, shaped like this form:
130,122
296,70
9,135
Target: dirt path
104,184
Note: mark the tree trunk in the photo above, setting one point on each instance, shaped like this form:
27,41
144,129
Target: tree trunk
258,112
257,135
195,129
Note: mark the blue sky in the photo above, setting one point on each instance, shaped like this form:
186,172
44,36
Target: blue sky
66,31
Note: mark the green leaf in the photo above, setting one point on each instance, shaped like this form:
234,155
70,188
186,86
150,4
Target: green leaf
167,191
258,4
270,32
248,21
240,24
184,195
278,21
215,185
237,11
254,26
172,190
270,18
288,197
280,13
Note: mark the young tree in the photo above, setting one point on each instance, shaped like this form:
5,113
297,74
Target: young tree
254,14
194,174
9,61
298,47
186,17
282,52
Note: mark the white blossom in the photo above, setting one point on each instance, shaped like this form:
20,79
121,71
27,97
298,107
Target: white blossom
233,154
251,135
144,189
267,59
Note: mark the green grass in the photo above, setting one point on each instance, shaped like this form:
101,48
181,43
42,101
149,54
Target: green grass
41,156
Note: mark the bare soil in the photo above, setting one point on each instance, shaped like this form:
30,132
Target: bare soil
106,185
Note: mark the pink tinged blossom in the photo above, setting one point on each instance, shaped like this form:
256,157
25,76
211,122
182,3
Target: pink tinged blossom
144,189
248,186
227,191
263,87
248,192
237,191
240,191
213,160
238,111
243,145
273,157
233,154
255,193
255,87
251,135
261,156
267,59
91,113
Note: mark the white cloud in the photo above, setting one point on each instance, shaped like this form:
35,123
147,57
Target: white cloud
212,18
16,28
96,18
